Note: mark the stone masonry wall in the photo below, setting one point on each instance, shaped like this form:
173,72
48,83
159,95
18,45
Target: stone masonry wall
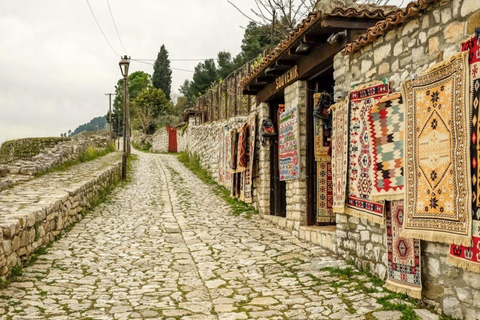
401,53
203,141
29,219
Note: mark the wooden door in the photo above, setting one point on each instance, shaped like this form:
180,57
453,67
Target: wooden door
172,139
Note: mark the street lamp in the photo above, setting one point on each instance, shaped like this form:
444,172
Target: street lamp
124,64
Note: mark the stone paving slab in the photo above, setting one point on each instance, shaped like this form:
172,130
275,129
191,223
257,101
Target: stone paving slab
166,247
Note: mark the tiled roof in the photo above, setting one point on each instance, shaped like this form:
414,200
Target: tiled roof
359,12
382,27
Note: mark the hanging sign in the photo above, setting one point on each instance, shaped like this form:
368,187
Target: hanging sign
288,145
286,78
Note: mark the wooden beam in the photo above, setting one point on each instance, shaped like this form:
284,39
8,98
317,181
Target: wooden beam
307,66
255,87
292,51
285,63
265,79
249,92
313,40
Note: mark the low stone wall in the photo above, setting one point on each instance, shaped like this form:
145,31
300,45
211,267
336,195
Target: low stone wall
204,141
27,148
33,214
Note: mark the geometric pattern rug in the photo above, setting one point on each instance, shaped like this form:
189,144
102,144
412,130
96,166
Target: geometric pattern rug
242,148
404,271
461,256
339,155
325,213
387,123
360,169
437,171
252,120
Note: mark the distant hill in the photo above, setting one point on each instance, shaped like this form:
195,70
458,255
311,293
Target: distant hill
96,124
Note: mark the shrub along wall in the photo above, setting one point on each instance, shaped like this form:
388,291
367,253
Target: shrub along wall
403,52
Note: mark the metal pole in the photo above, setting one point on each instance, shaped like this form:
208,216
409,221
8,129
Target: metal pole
125,130
129,147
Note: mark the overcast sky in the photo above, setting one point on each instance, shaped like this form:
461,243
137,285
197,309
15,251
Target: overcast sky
55,64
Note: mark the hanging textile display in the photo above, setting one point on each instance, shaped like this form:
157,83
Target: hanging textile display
461,256
339,155
252,130
404,272
227,180
242,148
288,146
387,126
325,213
437,170
360,170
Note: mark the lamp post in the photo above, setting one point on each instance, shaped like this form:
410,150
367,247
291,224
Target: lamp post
124,64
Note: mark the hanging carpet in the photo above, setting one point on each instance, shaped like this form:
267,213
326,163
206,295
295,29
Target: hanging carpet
339,155
325,213
437,171
404,272
252,129
469,257
360,170
227,179
242,148
387,123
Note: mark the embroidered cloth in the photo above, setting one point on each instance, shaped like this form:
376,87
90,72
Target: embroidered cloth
404,272
252,130
469,257
387,123
360,169
242,148
325,213
437,171
339,155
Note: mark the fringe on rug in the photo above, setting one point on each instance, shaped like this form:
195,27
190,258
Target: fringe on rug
338,209
464,264
463,54
334,106
388,197
436,236
415,293
364,215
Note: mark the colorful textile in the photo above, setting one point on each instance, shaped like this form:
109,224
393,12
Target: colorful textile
322,130
339,155
242,148
469,257
360,170
252,131
437,169
227,179
387,125
288,146
404,272
325,213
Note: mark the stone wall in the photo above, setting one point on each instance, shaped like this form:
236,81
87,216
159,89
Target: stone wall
41,154
159,140
34,213
203,141
400,54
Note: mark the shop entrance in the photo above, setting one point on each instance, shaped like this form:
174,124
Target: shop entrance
319,130
278,199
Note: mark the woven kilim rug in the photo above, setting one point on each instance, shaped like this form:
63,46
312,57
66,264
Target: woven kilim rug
404,272
227,179
469,257
360,170
325,213
242,148
252,130
387,125
339,155
437,154
322,133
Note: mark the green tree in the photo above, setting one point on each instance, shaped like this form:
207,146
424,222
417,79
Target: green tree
137,82
225,64
162,74
147,107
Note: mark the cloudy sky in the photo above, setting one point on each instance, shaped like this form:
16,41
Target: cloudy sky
55,65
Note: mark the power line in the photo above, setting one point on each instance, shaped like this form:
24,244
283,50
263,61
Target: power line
98,24
115,25
177,69
174,59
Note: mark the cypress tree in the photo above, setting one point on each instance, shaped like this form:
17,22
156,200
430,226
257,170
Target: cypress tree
162,74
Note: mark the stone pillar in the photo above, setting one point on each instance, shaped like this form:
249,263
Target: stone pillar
296,95
261,182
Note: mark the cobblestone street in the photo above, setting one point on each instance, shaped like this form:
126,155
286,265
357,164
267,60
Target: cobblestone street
166,247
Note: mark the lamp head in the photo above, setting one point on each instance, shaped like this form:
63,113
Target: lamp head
124,64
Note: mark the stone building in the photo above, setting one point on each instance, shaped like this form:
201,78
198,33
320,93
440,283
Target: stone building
333,52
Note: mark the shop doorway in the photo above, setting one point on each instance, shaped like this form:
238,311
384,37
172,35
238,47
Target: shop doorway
319,174
278,195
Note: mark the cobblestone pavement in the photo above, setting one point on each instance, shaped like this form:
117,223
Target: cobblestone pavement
165,247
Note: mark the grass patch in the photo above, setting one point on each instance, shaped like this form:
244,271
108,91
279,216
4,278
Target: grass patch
142,145
238,207
87,155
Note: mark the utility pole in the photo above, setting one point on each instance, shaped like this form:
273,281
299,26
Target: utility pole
110,111
124,65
